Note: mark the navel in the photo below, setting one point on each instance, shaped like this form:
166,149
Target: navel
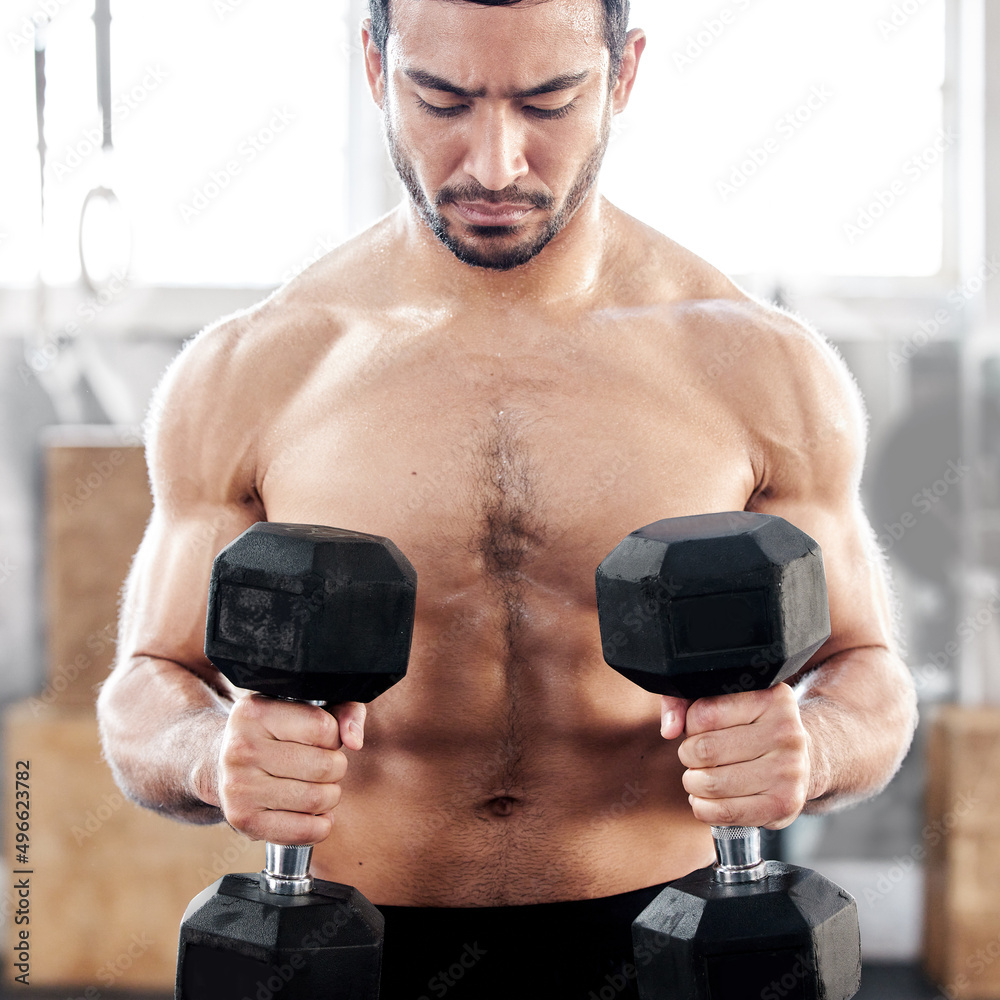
502,806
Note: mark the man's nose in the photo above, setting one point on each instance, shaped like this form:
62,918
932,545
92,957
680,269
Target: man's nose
496,156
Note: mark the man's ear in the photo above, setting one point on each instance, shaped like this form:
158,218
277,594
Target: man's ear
374,67
635,43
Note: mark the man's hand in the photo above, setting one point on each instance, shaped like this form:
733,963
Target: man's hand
747,756
280,765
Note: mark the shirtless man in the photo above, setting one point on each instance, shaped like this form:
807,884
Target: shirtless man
505,376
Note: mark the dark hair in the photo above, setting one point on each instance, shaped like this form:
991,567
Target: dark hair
615,25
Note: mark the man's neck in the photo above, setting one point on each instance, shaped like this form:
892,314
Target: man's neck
567,268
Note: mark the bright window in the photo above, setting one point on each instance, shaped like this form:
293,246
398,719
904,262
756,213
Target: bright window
789,136
775,136
229,130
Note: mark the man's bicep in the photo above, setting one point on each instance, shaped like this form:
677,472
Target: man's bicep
200,451
814,443
861,612
166,595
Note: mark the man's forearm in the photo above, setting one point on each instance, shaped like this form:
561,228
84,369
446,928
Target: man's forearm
859,709
161,729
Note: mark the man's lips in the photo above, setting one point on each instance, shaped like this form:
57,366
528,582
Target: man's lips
485,213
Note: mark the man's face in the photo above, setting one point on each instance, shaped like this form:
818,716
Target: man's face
497,119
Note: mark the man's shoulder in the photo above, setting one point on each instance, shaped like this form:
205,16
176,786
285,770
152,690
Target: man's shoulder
763,360
303,316
790,384
772,349
649,269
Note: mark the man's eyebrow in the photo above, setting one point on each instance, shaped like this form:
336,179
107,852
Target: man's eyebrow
564,82
431,82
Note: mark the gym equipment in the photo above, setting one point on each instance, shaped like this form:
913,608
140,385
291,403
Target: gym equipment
320,615
707,605
105,237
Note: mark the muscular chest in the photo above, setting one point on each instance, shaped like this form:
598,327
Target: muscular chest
524,464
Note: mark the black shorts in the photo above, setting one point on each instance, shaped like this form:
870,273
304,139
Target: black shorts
580,950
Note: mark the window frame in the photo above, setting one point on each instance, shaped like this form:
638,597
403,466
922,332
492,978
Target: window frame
880,307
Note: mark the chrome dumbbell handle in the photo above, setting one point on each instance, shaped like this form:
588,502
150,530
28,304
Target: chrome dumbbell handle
286,870
286,866
737,849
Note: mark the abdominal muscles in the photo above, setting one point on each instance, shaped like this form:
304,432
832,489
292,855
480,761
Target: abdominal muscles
512,764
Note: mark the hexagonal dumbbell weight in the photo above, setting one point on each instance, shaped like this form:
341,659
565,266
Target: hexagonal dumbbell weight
711,605
313,614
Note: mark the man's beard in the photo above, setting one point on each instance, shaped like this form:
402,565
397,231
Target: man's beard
493,248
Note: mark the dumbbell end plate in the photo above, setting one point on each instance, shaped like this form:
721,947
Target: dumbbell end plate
703,939
236,936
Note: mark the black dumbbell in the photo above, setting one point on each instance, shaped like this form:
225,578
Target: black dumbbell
319,615
711,605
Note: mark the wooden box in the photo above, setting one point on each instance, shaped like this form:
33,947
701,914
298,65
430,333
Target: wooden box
962,838
97,503
109,882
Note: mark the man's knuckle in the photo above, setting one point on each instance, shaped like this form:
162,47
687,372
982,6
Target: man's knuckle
238,751
710,785
790,733
253,709
327,728
726,814
704,714
700,812
337,766
241,818
786,804
312,798
235,787
781,693
704,749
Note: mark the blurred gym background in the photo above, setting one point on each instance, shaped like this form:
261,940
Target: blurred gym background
842,159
